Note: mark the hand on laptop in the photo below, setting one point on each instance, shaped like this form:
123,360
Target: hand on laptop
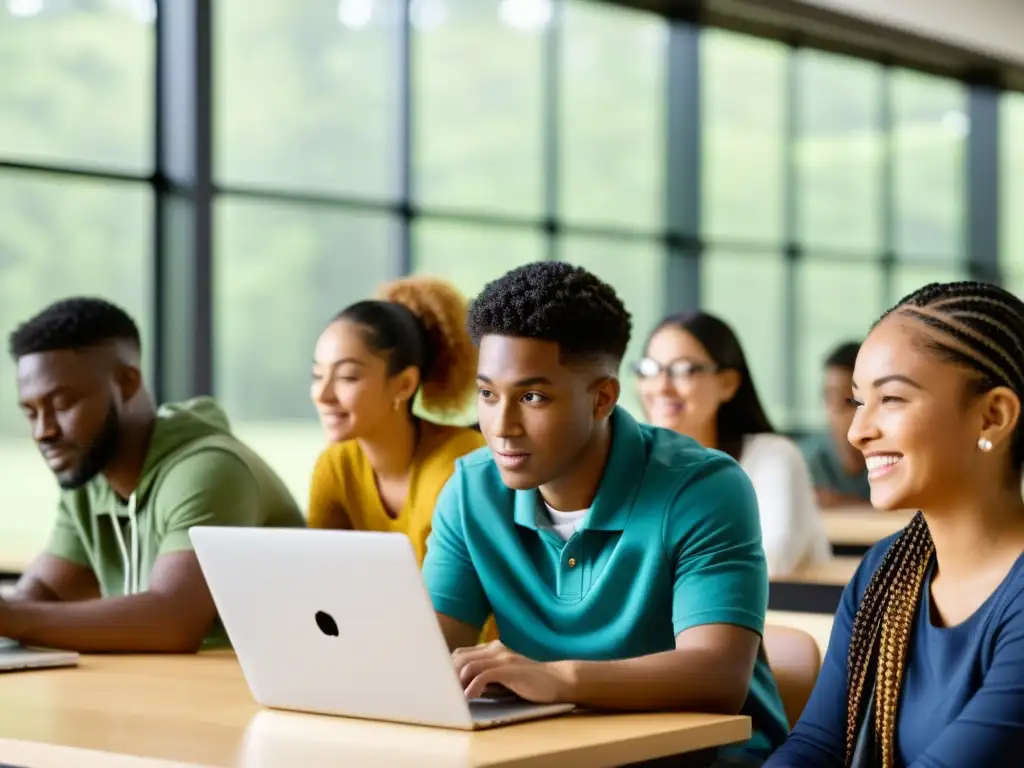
493,664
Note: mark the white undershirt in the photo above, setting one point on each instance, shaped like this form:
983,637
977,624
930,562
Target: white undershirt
565,523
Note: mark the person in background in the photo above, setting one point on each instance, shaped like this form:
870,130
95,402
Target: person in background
837,467
623,564
694,380
925,665
386,465
119,574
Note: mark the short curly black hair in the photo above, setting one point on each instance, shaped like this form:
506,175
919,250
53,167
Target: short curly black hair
554,301
73,323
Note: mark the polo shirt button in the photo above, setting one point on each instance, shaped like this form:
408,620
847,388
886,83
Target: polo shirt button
572,562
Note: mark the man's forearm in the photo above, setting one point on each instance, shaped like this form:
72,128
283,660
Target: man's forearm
147,622
693,680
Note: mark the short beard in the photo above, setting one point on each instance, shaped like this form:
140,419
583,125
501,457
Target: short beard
98,456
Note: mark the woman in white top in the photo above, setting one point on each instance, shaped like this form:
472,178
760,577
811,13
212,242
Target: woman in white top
694,379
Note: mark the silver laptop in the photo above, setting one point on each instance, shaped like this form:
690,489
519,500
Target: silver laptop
340,623
15,657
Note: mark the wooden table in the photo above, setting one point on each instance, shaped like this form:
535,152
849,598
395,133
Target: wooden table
197,711
14,560
836,572
854,530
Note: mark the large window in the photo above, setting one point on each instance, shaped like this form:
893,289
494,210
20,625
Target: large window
77,91
78,83
60,237
270,309
832,186
611,117
307,95
477,96
355,140
1011,177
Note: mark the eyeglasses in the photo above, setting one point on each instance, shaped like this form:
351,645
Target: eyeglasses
677,370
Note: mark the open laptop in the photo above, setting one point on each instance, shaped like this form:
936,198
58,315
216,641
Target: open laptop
15,657
340,623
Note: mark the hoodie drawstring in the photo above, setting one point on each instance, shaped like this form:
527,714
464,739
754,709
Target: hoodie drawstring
131,560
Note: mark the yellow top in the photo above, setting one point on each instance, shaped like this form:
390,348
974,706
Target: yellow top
344,493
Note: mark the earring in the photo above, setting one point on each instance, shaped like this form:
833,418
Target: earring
984,444
397,404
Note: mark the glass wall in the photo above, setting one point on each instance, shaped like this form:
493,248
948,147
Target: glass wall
80,101
491,167
349,148
832,187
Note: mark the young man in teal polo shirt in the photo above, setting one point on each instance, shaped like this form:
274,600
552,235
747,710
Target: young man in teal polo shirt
623,563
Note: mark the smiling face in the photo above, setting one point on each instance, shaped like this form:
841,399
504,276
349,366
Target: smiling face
916,422
537,413
351,388
683,389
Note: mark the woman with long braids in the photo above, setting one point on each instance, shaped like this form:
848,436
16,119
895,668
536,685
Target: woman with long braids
925,666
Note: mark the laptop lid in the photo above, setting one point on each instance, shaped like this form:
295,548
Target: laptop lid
14,657
334,622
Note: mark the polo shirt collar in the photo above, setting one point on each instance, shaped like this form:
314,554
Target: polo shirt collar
621,480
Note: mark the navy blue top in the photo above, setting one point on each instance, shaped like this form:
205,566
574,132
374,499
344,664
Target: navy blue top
962,702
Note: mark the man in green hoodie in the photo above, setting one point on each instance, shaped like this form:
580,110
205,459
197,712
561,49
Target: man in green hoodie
119,574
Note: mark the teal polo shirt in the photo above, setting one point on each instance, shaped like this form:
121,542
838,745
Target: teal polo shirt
672,541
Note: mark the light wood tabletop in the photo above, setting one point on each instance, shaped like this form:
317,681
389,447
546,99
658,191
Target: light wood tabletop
836,572
862,526
197,711
15,558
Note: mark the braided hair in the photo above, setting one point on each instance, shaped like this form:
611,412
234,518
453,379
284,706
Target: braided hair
979,327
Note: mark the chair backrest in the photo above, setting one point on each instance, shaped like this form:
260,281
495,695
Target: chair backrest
795,660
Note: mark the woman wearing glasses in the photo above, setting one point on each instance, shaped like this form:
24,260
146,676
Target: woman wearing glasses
694,379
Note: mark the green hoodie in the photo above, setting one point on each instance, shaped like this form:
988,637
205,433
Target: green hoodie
196,473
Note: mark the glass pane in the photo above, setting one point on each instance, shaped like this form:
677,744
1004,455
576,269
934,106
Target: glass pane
749,293
60,237
839,153
930,127
1011,178
744,102
306,95
78,83
837,302
611,131
281,272
477,115
1014,282
636,270
907,278
470,257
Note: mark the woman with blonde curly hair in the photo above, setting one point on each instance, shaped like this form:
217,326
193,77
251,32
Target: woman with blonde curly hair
386,466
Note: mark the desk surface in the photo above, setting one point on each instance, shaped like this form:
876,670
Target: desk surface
836,572
198,711
15,558
862,525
